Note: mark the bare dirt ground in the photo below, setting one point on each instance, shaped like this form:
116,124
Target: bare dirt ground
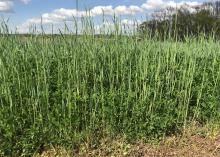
196,142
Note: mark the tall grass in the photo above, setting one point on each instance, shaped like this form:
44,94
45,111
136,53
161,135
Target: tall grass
58,91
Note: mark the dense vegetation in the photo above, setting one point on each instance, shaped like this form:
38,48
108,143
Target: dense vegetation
63,90
183,22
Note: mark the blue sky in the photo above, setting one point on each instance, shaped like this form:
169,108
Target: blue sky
23,13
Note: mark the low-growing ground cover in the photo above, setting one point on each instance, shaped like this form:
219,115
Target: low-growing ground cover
63,91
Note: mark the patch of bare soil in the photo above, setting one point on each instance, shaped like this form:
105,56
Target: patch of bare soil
195,146
196,142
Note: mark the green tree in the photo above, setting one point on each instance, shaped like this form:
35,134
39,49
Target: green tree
184,22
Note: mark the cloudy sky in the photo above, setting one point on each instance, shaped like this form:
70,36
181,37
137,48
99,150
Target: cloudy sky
23,13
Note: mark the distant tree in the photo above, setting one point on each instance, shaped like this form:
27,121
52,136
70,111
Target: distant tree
185,21
214,7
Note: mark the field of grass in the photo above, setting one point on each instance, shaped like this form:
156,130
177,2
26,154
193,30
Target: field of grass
63,91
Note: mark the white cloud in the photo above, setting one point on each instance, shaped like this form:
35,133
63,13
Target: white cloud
159,4
99,10
124,10
119,10
56,16
68,13
153,4
6,5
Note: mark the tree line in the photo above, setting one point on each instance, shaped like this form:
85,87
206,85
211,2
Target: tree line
186,21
